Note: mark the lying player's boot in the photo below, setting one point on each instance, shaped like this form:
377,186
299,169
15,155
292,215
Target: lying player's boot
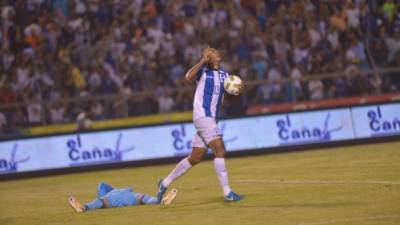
232,197
170,197
76,205
161,191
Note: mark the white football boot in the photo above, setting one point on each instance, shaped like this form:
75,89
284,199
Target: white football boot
170,197
76,205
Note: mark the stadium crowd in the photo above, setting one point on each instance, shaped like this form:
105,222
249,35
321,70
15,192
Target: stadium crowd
55,51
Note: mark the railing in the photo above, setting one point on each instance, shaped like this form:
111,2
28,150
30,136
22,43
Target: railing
22,114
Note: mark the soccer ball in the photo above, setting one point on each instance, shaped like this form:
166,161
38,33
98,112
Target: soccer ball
232,84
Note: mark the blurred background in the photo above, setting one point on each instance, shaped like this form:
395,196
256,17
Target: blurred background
68,65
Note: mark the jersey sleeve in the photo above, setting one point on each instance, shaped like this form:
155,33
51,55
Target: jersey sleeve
199,73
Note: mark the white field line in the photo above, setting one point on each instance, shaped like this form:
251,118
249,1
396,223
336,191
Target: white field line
262,181
340,221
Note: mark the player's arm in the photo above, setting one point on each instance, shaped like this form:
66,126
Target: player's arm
192,72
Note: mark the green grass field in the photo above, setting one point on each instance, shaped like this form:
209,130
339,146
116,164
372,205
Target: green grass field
339,186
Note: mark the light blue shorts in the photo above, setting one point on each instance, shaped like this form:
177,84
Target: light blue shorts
121,197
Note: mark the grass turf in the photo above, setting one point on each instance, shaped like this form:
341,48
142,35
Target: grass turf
339,186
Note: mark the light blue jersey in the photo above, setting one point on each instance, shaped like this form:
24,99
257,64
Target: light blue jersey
121,197
118,197
209,93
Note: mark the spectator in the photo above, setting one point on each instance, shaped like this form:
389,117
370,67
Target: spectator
177,73
396,27
333,38
296,75
120,108
356,53
353,15
7,95
3,122
23,74
338,20
57,113
275,85
165,102
314,34
379,52
83,122
33,35
94,81
389,9
259,66
18,118
393,45
97,110
340,87
35,113
316,89
263,94
77,77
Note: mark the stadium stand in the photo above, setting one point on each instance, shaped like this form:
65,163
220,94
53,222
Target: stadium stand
63,60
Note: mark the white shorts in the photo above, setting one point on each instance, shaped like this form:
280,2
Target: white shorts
206,131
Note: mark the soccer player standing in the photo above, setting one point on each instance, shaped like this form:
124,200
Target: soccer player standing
208,98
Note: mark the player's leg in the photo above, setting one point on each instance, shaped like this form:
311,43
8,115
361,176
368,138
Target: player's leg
100,202
74,203
95,204
103,188
184,165
198,151
127,197
150,200
212,135
146,199
218,147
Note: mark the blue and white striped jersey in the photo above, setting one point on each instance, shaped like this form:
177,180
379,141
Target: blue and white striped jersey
209,93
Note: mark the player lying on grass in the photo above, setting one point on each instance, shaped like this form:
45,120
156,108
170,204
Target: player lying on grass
109,197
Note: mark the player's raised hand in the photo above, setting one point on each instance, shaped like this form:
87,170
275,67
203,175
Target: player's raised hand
205,57
212,57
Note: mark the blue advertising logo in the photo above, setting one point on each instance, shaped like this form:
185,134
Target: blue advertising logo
381,125
182,142
179,135
295,135
96,154
11,165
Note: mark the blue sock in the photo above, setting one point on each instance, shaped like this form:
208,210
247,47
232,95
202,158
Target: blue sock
95,204
149,200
